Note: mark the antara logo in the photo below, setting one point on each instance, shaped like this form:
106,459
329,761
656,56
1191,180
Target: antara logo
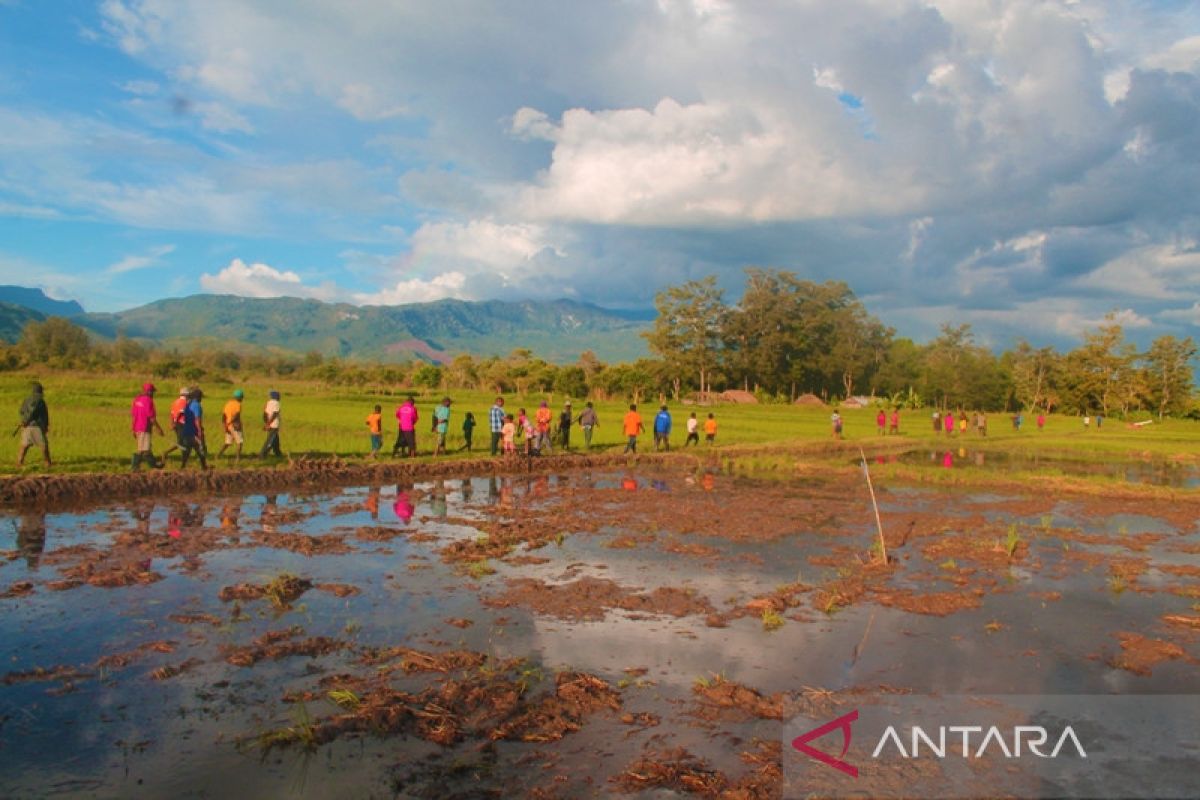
952,739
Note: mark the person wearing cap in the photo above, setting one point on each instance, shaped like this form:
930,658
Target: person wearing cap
177,407
662,429
541,419
441,425
191,431
35,425
231,418
564,426
588,420
271,425
145,421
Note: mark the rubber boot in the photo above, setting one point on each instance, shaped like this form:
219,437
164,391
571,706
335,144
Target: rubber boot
137,461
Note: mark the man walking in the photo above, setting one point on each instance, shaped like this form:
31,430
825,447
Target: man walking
191,432
35,425
542,419
496,423
564,426
662,429
145,421
231,418
588,420
632,426
271,414
406,438
441,425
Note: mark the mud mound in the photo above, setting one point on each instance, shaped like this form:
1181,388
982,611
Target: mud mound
738,396
810,400
592,598
719,697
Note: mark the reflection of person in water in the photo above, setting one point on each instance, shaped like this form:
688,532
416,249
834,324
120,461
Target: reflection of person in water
467,490
270,510
506,493
493,489
708,482
948,459
372,502
31,538
141,512
437,500
403,506
231,511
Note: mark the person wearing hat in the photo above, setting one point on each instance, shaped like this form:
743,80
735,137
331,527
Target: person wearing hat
564,426
145,422
441,424
271,425
191,430
177,407
35,425
231,418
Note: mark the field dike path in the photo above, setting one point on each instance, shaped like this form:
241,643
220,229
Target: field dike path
93,487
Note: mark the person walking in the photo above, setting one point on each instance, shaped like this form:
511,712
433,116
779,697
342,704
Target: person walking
406,437
176,415
191,432
441,425
231,421
948,421
588,421
375,427
271,418
496,423
564,426
710,430
34,425
835,421
881,422
468,429
145,421
937,421
542,418
894,428
662,429
693,431
632,426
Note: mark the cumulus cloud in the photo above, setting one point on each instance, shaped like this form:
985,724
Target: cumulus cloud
262,280
418,290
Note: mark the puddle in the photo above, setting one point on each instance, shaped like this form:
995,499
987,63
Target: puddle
544,633
1160,472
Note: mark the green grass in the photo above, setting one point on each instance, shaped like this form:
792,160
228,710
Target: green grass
89,431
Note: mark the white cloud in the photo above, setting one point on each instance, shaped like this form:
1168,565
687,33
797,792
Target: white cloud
222,119
364,103
1159,272
419,290
262,280
151,258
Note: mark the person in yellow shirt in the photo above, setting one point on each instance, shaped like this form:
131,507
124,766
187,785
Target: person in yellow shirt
231,419
375,426
632,427
710,429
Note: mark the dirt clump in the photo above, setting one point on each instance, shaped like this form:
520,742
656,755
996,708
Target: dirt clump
326,544
339,589
276,645
674,770
18,589
194,619
121,660
412,660
1140,654
937,604
576,696
591,598
719,697
282,591
171,670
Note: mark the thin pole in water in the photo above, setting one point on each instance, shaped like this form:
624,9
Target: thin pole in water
878,521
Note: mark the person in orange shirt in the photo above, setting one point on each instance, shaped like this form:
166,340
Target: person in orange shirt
176,420
632,427
231,419
375,426
542,417
710,429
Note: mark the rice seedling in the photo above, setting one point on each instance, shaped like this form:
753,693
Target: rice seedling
771,619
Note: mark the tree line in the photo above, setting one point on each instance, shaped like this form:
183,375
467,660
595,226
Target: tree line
784,338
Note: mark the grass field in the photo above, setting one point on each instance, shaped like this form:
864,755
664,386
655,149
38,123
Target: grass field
90,424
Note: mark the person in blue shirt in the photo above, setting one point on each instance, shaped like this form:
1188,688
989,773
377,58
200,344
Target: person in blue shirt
191,431
496,423
662,429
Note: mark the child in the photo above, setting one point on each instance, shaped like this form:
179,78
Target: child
693,430
529,432
508,432
468,430
375,426
710,429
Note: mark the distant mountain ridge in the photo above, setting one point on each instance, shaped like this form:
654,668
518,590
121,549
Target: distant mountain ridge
39,301
557,330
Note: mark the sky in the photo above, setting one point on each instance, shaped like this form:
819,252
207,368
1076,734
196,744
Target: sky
1025,166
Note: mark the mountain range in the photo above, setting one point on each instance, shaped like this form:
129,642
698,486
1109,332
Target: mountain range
557,330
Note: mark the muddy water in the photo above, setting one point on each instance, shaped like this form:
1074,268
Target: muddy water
1157,472
125,673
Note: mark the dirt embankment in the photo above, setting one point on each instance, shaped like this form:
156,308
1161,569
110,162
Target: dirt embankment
89,487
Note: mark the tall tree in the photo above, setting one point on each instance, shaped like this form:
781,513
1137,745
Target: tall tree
687,332
1168,373
1035,376
1097,369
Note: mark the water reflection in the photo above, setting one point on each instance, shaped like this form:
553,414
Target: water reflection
31,538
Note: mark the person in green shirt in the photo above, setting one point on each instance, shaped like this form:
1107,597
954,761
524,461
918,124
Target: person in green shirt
441,420
35,425
468,429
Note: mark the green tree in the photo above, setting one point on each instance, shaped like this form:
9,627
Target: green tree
1168,374
55,341
1096,370
687,331
1035,376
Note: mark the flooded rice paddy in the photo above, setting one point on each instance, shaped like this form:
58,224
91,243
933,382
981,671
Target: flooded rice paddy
565,635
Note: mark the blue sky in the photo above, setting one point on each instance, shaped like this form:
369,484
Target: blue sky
1025,166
